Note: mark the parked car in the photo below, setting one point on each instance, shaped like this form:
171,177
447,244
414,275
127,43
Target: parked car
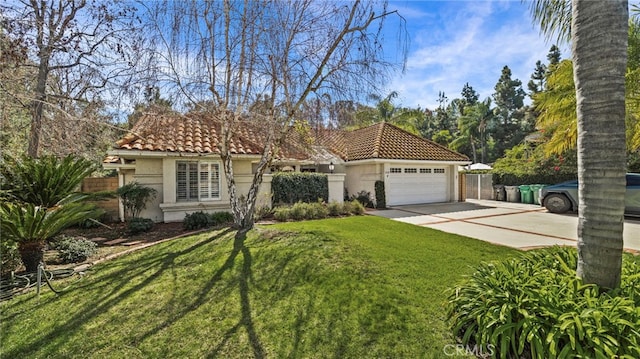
563,197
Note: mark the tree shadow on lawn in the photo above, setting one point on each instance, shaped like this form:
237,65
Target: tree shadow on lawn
286,301
150,267
120,278
245,319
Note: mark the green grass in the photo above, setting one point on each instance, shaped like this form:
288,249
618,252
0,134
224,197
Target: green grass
353,287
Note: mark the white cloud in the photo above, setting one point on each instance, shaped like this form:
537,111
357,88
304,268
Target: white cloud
466,42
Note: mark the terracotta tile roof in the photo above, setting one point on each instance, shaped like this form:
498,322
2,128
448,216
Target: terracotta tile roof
386,141
197,133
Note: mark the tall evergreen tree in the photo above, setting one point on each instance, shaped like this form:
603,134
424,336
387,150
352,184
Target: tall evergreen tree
554,56
538,78
509,128
469,97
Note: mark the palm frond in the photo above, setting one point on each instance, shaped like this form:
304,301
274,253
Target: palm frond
554,18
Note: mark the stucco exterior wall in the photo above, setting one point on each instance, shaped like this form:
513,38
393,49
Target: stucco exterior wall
363,177
148,172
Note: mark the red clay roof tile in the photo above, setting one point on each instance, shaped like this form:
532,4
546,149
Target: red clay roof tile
197,133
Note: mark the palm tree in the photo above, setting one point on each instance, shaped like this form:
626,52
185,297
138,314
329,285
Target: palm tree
473,129
557,110
386,111
599,53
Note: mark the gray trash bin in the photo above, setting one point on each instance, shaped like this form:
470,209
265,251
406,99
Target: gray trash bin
499,193
513,193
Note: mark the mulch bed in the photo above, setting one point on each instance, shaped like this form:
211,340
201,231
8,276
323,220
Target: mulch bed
112,240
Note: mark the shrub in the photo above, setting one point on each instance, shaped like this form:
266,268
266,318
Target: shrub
523,165
381,197
263,212
282,214
364,198
219,218
534,306
356,207
298,211
9,255
347,208
139,225
317,210
296,187
197,220
74,249
134,198
334,208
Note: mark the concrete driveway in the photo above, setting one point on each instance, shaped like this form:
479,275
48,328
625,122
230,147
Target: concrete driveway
517,225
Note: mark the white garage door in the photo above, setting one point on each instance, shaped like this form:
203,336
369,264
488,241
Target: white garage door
412,185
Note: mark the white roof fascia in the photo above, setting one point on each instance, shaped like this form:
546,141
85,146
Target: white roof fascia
148,154
405,162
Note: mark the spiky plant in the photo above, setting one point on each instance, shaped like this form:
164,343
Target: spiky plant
31,226
40,198
44,181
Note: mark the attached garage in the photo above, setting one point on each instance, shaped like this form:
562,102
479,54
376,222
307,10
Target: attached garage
417,184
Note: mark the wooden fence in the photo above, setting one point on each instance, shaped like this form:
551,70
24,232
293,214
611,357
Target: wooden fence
101,184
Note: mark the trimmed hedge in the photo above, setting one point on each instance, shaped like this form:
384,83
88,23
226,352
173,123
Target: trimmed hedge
511,179
381,197
293,187
199,220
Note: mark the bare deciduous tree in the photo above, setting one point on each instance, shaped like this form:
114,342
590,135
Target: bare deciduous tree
76,50
223,55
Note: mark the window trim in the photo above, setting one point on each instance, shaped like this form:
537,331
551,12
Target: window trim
212,181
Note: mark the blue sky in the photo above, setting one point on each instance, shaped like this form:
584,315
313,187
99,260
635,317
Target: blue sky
454,42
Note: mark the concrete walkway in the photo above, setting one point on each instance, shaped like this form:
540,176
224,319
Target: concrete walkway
517,225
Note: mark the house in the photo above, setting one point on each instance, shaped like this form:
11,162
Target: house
178,155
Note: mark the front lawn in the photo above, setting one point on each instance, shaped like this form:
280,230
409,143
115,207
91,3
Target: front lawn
351,287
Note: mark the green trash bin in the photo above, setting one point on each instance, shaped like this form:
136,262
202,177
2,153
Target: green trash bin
535,190
526,196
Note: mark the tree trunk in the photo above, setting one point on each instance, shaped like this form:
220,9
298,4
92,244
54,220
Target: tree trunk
37,107
599,50
473,149
32,253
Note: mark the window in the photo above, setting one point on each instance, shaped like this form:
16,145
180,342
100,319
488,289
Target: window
197,181
438,170
425,170
410,170
395,170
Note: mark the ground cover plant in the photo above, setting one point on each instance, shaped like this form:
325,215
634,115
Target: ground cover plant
348,287
536,306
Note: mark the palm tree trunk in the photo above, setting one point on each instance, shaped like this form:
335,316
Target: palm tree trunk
599,50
